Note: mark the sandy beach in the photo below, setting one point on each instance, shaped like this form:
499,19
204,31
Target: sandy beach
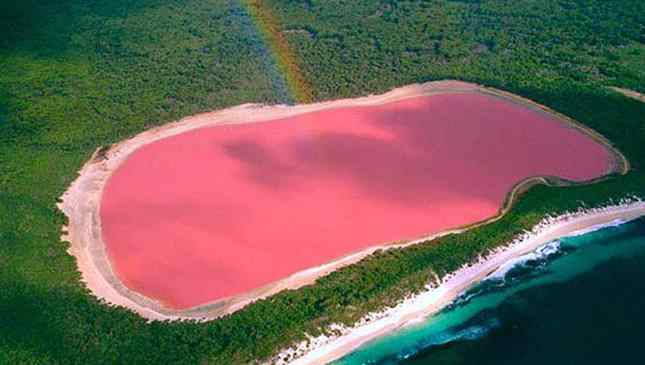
82,201
322,350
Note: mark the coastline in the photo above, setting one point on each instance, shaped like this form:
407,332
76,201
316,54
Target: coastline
325,349
81,202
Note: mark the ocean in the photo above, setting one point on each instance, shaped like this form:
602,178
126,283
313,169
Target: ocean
576,300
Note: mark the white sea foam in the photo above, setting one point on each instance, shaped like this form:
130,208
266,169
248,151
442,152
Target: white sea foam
476,331
471,332
540,253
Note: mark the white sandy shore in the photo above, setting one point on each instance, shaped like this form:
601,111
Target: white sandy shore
324,349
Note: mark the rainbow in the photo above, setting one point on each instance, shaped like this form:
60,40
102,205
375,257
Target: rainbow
270,30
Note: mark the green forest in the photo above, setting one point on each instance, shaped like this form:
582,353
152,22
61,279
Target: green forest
76,75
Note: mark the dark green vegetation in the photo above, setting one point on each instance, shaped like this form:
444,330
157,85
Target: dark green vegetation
75,75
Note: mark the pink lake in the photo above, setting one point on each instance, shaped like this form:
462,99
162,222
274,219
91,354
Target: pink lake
223,210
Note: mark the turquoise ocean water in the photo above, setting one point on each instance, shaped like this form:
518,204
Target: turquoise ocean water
577,300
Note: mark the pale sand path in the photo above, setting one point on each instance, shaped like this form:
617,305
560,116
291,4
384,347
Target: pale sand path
629,93
81,202
427,303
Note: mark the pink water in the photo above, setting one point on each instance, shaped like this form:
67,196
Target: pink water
220,211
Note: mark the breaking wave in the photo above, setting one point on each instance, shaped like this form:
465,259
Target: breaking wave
472,330
511,272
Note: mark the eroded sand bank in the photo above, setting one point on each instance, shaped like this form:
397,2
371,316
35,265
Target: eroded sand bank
81,202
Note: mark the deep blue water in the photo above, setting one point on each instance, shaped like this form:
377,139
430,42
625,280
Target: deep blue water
578,300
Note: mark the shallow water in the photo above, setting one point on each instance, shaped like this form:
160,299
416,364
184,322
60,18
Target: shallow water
576,300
